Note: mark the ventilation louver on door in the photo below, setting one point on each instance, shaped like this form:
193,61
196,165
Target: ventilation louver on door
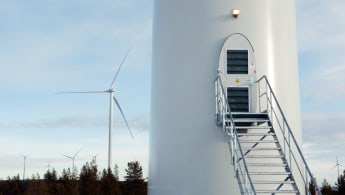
237,61
238,99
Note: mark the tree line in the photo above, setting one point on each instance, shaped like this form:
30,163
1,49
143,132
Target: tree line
89,181
337,189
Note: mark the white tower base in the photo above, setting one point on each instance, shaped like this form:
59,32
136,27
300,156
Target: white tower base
188,152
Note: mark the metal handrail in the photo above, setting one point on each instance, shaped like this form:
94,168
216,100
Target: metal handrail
225,118
287,138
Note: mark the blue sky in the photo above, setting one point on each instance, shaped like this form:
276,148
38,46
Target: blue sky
51,46
321,44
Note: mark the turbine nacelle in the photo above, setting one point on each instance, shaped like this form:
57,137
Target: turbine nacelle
111,90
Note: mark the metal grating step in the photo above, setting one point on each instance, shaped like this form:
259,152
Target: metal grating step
276,191
250,115
254,127
269,173
267,164
250,120
264,156
255,134
261,148
258,141
273,182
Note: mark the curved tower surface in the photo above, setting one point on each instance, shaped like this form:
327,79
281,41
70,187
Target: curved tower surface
188,152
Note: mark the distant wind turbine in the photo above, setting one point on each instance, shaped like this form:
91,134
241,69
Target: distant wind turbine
111,91
72,158
338,165
48,165
24,156
94,158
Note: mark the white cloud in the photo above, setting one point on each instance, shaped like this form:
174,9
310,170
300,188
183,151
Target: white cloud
70,122
325,127
139,123
323,136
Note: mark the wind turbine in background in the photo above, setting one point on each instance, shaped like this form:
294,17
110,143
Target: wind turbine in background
113,99
24,156
48,165
72,158
94,158
338,165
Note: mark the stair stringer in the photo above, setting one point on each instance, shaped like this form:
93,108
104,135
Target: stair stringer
264,158
287,141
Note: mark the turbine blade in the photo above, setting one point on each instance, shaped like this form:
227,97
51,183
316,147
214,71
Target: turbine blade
24,156
76,153
123,116
67,156
81,92
118,70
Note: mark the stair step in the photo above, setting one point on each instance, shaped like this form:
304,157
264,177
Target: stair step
276,191
254,127
266,164
256,134
273,182
250,115
258,141
251,120
269,173
262,148
264,156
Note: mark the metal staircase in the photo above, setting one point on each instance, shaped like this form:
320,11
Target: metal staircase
264,153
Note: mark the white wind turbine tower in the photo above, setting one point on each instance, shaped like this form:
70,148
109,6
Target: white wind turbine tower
113,99
24,156
338,165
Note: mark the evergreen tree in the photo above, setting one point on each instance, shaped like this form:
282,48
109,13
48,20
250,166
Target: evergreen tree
35,186
50,178
69,182
12,186
88,179
134,172
341,184
326,188
109,183
50,175
135,183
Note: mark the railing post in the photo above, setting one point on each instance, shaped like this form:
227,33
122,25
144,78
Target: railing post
217,101
267,99
259,95
306,182
290,152
271,104
284,134
232,140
